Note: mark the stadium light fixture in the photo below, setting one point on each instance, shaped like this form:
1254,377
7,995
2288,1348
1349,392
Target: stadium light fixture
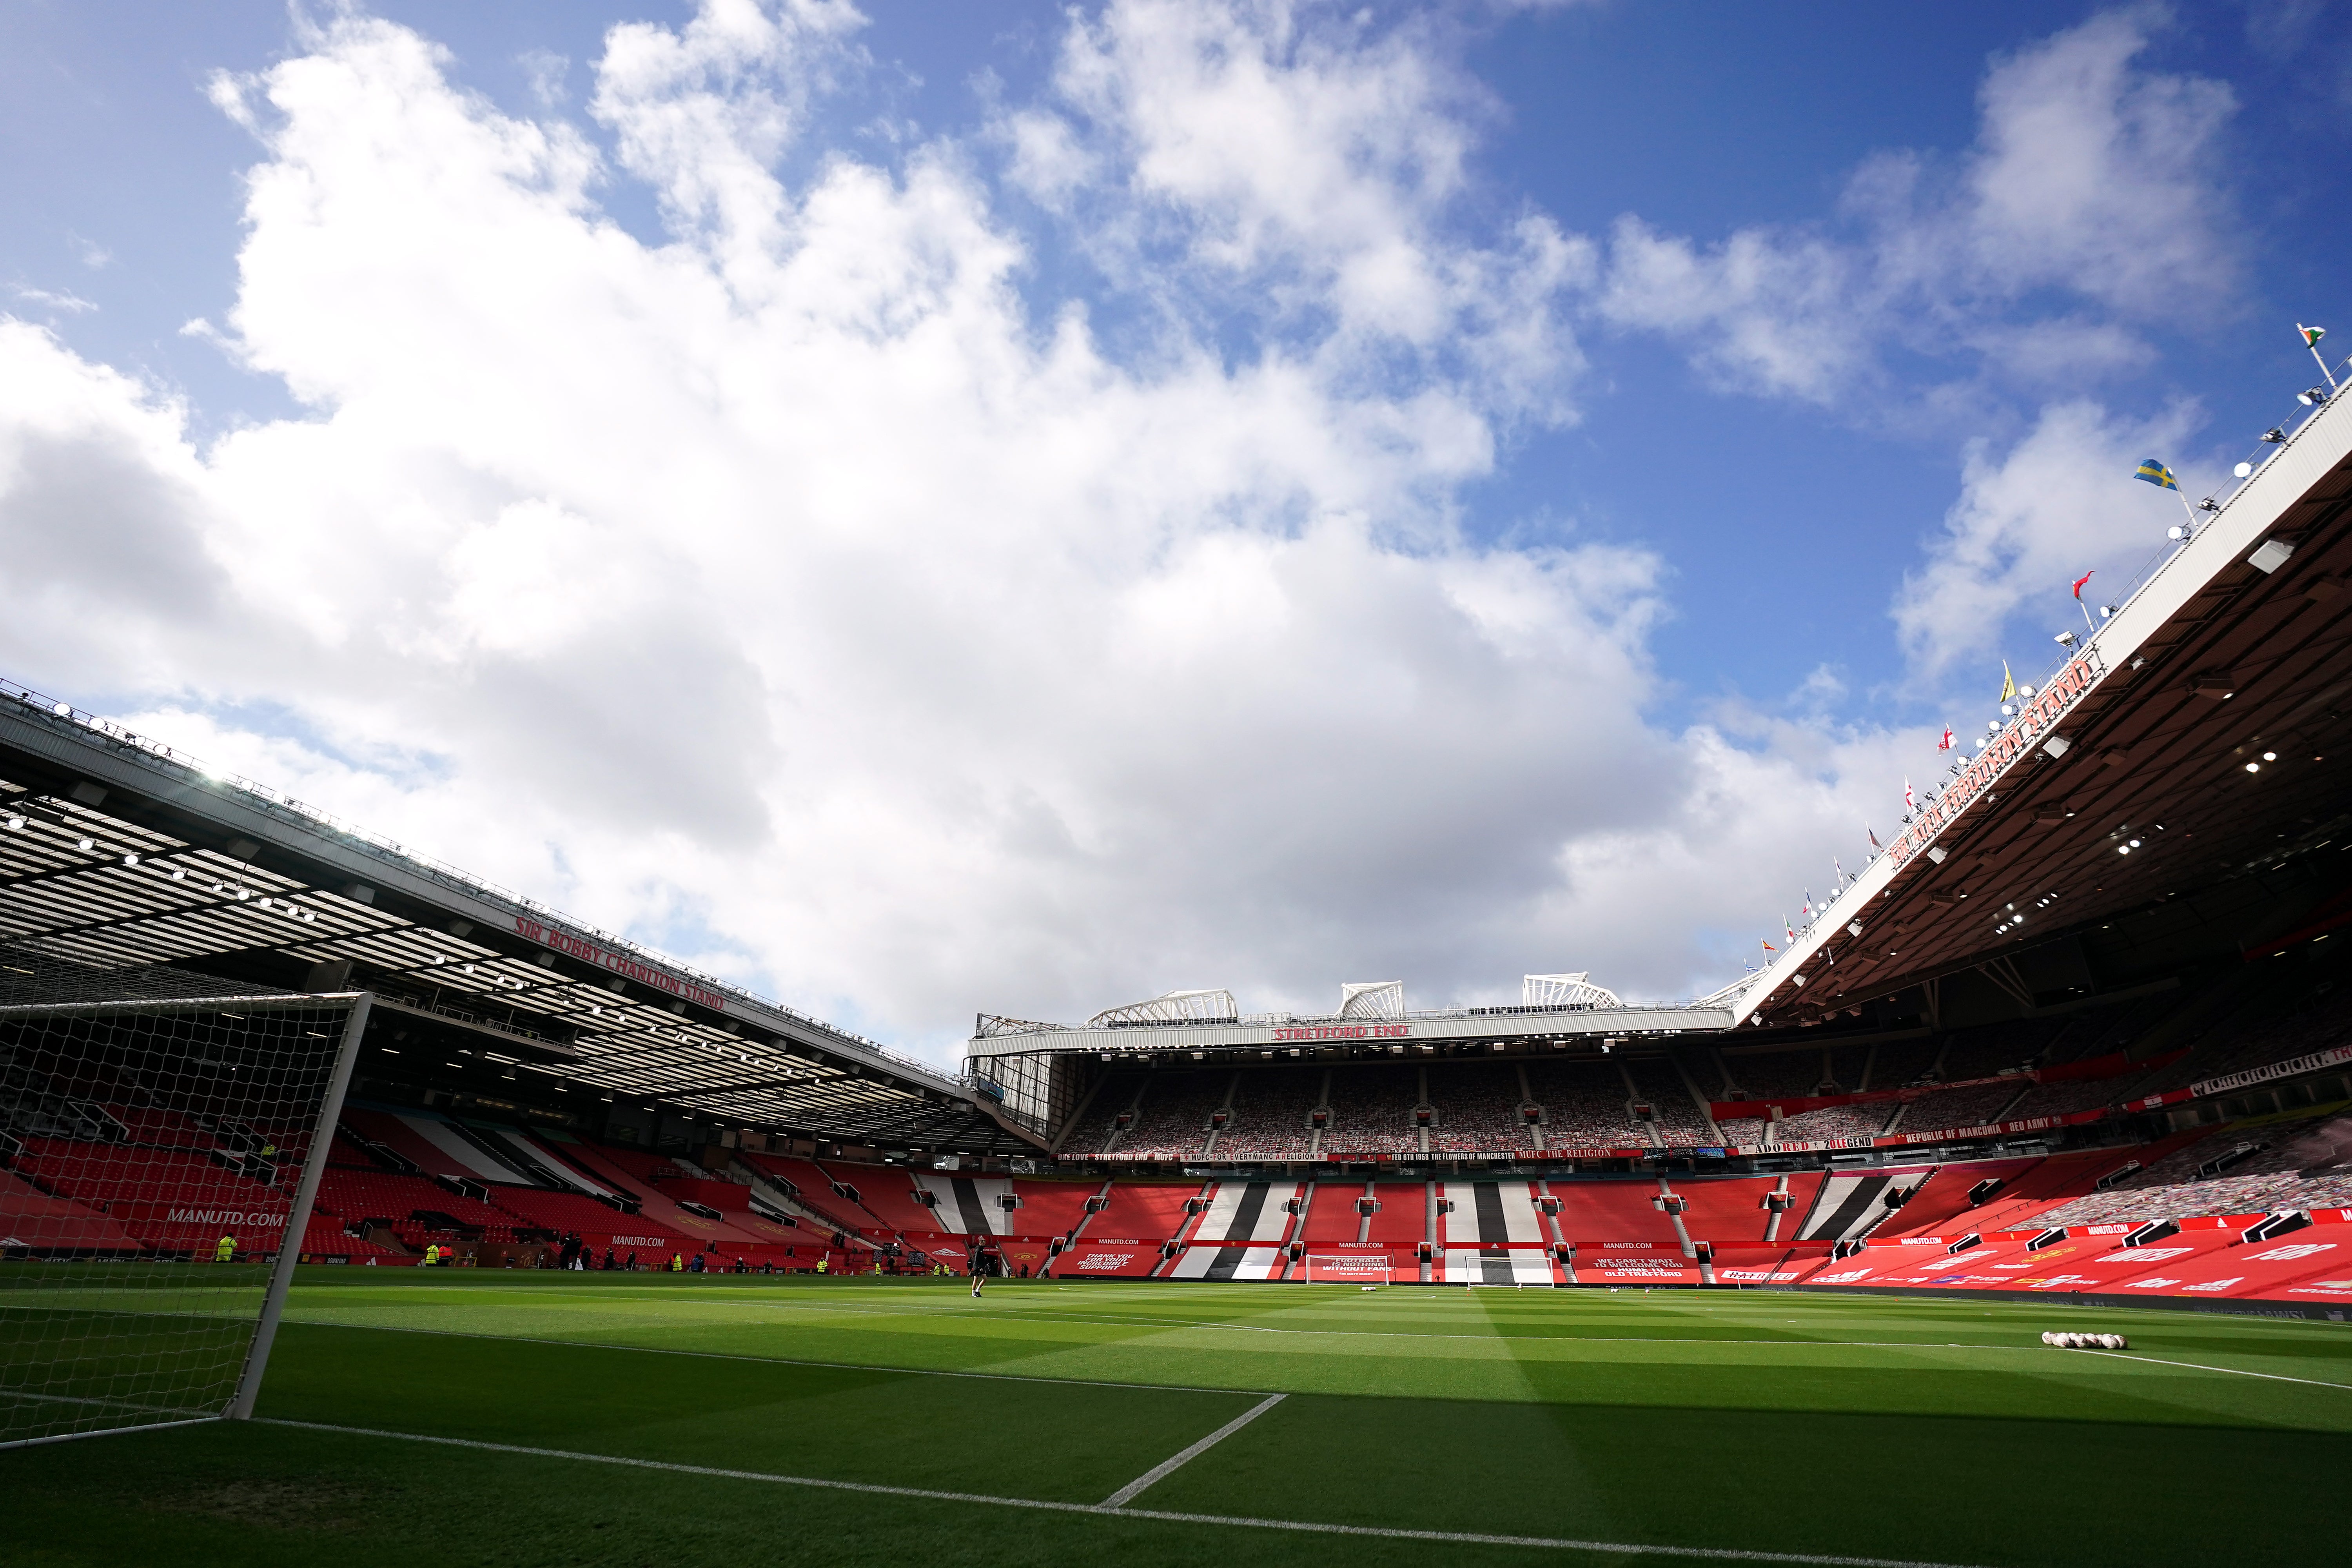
2176,532
2270,756
2311,397
85,845
2253,767
2105,610
2274,436
2243,470
2066,639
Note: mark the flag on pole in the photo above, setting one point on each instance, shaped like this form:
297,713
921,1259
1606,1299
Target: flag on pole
1767,946
2007,682
1788,930
1909,803
2311,335
2156,474
1867,833
2080,580
1839,868
1946,743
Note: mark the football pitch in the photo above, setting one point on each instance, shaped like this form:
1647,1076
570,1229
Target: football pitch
413,1417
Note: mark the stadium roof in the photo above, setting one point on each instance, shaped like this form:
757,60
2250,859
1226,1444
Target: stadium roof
2203,735
116,851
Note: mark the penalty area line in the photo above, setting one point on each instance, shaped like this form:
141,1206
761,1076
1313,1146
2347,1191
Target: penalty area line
1174,1462
1105,1510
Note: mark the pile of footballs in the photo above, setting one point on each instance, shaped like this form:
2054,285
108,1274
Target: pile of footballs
2087,1341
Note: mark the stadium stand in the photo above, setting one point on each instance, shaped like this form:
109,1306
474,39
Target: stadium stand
1372,1111
1731,1209
2286,1165
1272,1114
1866,1119
1476,1111
63,1225
1098,1126
1584,1104
809,1186
1173,1124
1607,1212
1658,1085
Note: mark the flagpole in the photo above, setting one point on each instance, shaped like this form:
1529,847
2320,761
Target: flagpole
2313,344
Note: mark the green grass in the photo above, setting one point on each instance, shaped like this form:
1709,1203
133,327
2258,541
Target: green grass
1905,1429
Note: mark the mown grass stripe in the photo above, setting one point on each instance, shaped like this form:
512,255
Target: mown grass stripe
1104,1511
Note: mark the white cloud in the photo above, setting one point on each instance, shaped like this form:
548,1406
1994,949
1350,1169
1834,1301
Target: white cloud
2032,519
1294,165
789,594
66,302
2091,207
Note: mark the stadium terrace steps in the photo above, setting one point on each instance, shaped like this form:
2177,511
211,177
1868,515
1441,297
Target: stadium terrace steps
30,1217
811,1188
1240,1234
1492,1234
654,1212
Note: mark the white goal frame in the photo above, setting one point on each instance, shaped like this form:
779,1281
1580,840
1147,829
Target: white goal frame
1360,1269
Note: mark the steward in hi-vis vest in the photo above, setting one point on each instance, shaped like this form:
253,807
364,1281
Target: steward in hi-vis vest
225,1250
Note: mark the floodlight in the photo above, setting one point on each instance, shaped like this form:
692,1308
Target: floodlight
2209,504
2311,397
2274,436
2007,710
2066,639
129,859
2135,843
84,844
2026,691
2270,756
2176,532
2253,767
2105,610
2242,470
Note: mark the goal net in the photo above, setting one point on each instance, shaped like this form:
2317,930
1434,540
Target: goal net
1348,1269
162,1138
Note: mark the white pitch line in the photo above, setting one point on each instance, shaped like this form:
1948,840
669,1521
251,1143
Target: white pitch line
1102,1510
2233,1371
1174,1462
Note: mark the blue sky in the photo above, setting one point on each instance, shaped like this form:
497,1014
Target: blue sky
1488,424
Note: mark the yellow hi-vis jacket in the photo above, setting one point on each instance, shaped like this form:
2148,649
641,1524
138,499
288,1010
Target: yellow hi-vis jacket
226,1252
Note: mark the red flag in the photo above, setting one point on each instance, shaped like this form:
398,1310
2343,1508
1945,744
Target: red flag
1946,743
2078,586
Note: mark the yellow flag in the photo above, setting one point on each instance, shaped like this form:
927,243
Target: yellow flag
2007,682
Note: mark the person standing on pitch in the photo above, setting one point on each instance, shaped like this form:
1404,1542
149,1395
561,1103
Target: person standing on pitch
976,1259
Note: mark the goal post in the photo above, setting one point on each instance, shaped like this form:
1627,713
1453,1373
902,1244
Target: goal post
1348,1269
160,1161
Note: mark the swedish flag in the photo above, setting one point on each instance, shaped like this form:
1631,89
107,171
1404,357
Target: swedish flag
2156,474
